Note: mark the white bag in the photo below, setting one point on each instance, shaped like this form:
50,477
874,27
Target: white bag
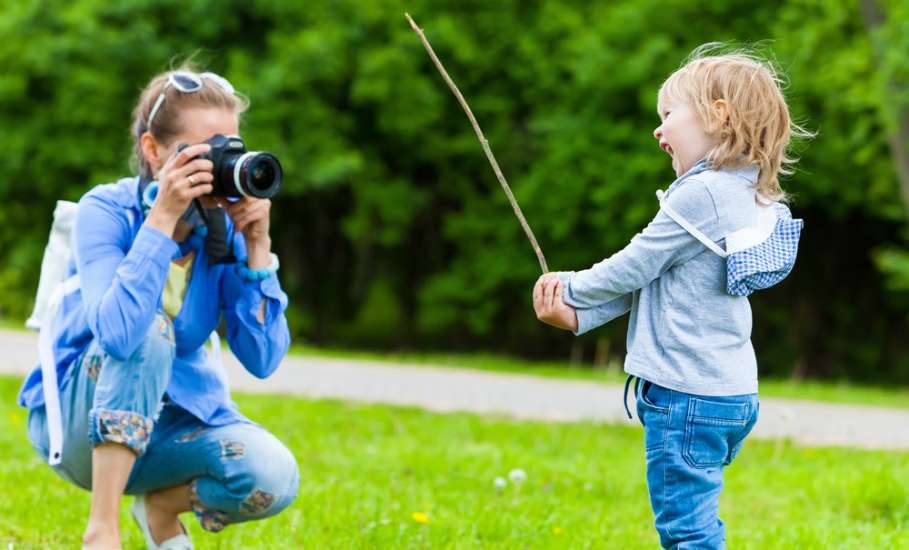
52,286
56,258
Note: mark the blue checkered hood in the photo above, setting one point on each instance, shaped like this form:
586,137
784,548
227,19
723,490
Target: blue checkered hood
768,262
756,257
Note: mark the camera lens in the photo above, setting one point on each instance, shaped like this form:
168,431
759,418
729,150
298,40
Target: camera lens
261,175
258,174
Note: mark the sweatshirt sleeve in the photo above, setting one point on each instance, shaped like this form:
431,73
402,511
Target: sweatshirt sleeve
592,317
660,246
260,347
121,281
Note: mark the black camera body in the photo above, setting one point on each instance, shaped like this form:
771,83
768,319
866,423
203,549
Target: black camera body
237,173
241,173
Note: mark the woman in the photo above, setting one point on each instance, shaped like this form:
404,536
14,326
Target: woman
145,411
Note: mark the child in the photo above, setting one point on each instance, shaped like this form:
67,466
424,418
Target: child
726,126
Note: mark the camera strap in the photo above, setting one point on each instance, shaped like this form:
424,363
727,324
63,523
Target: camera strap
217,247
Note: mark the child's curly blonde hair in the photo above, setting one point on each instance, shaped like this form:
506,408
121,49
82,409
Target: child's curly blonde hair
739,98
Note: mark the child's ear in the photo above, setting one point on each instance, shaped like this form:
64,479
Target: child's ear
721,115
722,110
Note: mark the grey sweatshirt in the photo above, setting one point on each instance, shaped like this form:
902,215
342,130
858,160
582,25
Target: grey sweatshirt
685,332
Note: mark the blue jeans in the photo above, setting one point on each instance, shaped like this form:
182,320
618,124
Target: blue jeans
688,440
237,472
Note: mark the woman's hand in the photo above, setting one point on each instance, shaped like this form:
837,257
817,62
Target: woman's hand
251,216
180,180
548,304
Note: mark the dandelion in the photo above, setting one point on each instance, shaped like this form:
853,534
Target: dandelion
420,517
517,476
499,483
557,531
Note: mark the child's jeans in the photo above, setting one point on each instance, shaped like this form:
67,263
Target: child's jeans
236,472
688,440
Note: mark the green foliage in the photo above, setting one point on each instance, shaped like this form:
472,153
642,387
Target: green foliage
895,264
388,184
365,470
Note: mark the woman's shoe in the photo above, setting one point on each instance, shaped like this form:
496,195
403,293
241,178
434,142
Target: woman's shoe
140,514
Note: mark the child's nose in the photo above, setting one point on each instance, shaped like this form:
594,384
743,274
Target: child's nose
658,132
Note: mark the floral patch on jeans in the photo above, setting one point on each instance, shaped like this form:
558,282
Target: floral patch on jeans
210,520
232,450
91,362
127,428
191,435
257,503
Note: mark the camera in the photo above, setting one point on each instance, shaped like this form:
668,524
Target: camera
241,173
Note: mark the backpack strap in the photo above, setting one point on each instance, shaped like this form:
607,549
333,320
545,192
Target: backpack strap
695,232
49,370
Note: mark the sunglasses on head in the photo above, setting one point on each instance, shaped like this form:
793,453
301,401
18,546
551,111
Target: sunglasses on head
187,83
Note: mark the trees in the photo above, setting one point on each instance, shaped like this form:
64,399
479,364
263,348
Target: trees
390,212
888,33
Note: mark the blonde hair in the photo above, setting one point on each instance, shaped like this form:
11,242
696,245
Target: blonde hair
755,128
167,123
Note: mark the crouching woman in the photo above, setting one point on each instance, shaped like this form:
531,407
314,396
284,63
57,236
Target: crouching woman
145,410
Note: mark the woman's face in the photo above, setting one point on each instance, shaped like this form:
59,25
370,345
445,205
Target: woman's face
199,124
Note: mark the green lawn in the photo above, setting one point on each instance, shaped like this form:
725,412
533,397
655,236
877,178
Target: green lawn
367,469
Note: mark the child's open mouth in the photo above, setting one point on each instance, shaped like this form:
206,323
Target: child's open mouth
665,146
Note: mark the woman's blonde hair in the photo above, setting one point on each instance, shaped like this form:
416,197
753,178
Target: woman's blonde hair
167,122
755,127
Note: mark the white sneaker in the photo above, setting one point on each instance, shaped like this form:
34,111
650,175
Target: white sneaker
140,514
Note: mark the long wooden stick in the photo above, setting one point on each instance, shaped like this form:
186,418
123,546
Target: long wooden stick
484,142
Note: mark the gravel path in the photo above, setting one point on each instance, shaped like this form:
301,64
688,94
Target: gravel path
519,396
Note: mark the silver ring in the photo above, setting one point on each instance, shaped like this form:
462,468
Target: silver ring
191,180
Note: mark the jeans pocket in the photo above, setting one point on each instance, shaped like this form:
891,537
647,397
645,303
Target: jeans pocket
714,430
645,401
654,417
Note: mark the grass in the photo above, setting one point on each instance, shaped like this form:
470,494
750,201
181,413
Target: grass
479,361
11,324
367,469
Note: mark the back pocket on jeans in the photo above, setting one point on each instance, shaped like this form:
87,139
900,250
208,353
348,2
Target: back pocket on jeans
712,430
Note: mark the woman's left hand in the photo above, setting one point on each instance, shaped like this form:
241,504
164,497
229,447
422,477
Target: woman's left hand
251,216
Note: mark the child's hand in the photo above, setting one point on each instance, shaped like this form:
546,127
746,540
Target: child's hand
548,304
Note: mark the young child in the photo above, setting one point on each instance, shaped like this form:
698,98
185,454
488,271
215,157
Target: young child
726,126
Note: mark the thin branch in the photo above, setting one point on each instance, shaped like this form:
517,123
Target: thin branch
484,142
